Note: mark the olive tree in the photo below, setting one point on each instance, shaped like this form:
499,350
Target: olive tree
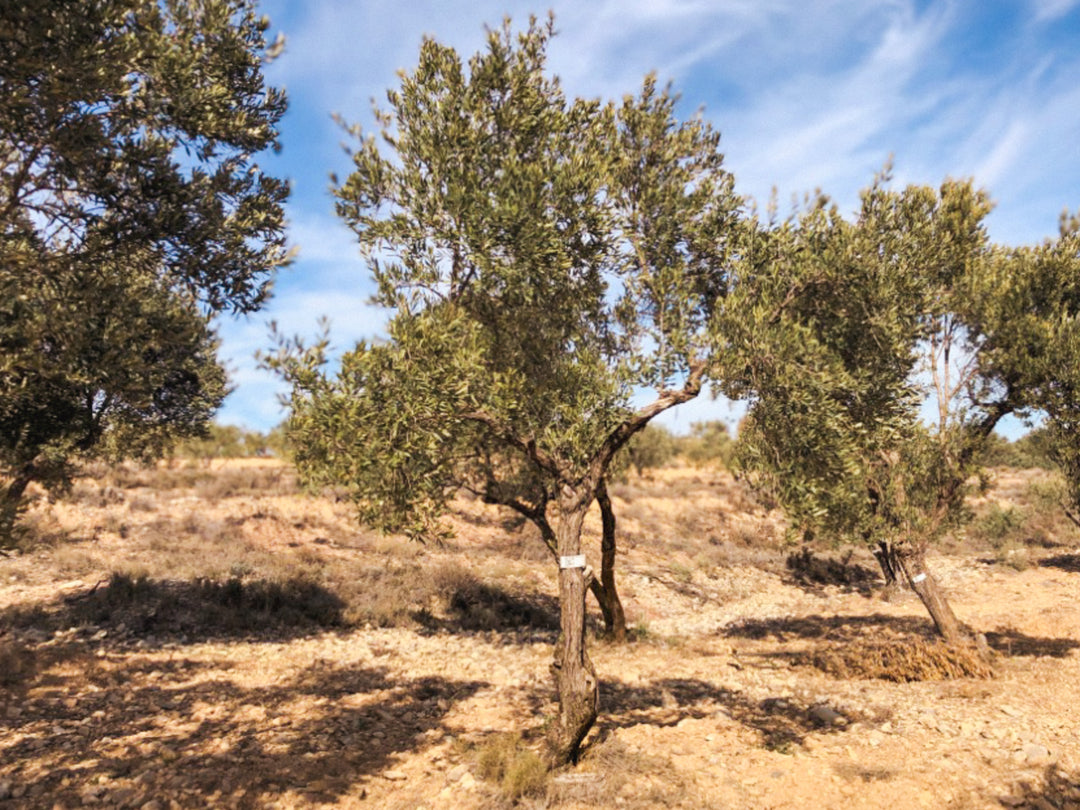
548,263
131,210
848,327
1028,307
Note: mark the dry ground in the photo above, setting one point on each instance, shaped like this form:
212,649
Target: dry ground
204,636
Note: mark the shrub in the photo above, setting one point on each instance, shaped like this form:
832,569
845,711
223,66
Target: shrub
999,525
518,770
650,449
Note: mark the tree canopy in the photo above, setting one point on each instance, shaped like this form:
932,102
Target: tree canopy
848,330
546,260
131,209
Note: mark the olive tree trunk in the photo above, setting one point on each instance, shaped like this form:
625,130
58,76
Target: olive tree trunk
912,560
606,593
575,676
607,597
891,570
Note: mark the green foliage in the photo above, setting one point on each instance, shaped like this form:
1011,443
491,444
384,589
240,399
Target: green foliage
655,447
708,443
650,448
839,313
229,441
1035,450
544,258
1031,451
1028,308
855,324
131,210
999,525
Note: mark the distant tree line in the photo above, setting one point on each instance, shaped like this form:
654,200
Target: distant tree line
656,446
231,441
1034,450
711,442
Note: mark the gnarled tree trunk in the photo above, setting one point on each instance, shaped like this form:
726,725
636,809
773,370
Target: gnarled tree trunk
606,594
885,553
912,561
575,677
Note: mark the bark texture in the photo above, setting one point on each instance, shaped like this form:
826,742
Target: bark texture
575,677
890,568
607,597
607,594
913,563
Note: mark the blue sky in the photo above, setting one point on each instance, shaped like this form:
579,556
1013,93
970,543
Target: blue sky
811,94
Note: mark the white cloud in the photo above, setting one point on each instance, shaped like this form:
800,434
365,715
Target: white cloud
1051,10
807,94
1004,155
324,238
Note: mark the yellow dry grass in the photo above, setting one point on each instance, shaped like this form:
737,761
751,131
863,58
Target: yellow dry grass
207,635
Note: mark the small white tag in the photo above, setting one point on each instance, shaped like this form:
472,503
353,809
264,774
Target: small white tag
918,578
574,561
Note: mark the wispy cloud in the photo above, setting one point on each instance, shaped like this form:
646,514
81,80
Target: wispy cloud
807,93
1050,10
1005,154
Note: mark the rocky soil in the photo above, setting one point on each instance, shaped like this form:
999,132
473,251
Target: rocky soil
119,692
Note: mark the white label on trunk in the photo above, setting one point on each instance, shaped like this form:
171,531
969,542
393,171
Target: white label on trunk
574,561
918,578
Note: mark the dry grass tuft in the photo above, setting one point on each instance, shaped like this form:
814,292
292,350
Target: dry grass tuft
613,773
471,604
386,596
506,761
901,662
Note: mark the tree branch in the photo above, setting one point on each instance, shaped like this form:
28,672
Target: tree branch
537,514
543,460
668,398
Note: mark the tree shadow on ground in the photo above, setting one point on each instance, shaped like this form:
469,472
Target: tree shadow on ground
197,610
1063,562
782,722
126,732
879,629
1013,643
1056,789
832,628
813,573
479,607
151,613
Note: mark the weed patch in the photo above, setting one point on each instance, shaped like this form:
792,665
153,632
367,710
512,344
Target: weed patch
506,761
